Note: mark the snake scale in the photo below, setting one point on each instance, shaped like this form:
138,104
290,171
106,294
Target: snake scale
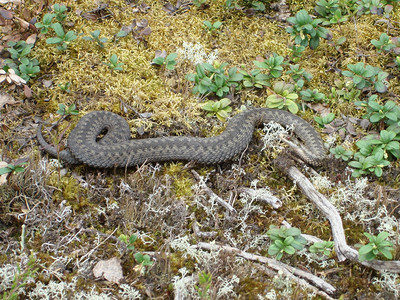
117,149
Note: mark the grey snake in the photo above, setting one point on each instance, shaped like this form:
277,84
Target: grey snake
117,149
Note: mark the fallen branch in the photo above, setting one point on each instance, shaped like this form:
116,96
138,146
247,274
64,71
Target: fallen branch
262,196
343,250
318,285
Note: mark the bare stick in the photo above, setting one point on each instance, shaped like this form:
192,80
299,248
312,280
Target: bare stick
293,273
343,250
262,196
212,195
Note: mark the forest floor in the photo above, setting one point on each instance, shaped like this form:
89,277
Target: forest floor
180,230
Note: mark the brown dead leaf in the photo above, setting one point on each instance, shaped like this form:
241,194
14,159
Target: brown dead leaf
6,14
47,83
27,91
24,24
110,270
100,12
159,53
259,58
6,99
142,8
31,39
319,108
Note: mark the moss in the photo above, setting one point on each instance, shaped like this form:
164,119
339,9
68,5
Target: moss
182,183
67,187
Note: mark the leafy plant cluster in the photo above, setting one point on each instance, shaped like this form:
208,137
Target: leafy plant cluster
20,62
256,5
331,12
13,168
61,38
213,79
378,245
288,240
216,79
375,151
54,22
307,31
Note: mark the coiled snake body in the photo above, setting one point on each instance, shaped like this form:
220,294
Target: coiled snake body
116,149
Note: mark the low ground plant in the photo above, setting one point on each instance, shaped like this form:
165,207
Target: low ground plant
324,119
366,76
220,109
95,37
163,59
285,240
324,247
378,245
63,110
113,63
213,79
306,31
283,97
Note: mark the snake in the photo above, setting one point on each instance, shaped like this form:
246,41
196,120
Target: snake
117,149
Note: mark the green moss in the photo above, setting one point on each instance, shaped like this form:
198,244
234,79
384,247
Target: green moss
67,188
182,183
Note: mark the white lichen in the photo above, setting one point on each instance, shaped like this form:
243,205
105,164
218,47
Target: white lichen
196,54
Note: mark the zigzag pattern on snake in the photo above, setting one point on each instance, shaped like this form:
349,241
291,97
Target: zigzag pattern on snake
117,149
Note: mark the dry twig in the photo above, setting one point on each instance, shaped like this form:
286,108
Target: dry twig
299,276
343,250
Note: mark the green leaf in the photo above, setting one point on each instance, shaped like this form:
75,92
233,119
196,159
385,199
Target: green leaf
219,80
382,75
260,64
217,24
224,102
273,249
122,33
380,87
48,18
347,73
114,59
138,257
209,106
5,170
292,107
236,77
314,42
159,61
293,231
58,29
132,238
200,70
54,40
172,56
365,249
222,115
289,250
70,36
207,24
275,73
289,240
386,253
